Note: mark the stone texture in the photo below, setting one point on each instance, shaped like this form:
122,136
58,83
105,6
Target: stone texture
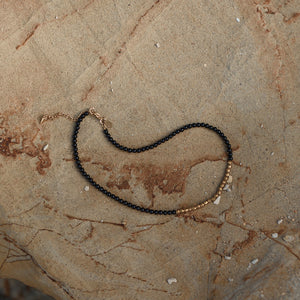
233,64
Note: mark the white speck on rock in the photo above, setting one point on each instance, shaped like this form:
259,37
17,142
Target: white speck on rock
279,221
226,188
275,235
56,17
205,65
101,221
171,280
254,261
45,147
272,153
227,257
86,188
229,179
261,125
288,238
157,45
230,279
217,201
238,20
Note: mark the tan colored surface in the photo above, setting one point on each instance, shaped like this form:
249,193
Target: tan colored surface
240,75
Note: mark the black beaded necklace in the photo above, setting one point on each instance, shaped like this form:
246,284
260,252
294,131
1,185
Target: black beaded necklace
92,112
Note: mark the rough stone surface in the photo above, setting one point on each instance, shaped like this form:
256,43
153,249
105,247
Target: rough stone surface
233,64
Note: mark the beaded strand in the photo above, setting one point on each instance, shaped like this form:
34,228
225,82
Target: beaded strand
146,148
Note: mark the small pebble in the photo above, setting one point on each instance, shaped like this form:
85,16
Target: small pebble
288,238
86,188
238,20
205,65
217,201
272,153
45,147
275,235
261,125
227,257
56,17
230,279
226,188
157,45
279,221
112,90
254,261
171,280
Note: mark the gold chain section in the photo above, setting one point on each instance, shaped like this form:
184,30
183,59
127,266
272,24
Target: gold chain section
92,112
56,115
217,194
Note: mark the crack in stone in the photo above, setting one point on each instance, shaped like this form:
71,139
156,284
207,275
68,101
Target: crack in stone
122,224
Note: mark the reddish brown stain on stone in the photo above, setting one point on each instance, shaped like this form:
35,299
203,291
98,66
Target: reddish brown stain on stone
14,142
246,243
122,185
292,122
292,18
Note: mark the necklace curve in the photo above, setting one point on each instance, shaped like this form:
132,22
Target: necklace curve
92,112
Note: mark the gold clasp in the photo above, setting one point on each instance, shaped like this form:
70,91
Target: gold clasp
93,112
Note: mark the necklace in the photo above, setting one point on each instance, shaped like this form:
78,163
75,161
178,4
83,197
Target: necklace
102,120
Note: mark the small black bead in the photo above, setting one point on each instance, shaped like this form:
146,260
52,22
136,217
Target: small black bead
156,212
133,206
160,212
177,131
151,146
206,125
165,212
169,212
138,208
129,150
202,124
142,209
151,211
147,210
155,144
190,125
139,150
